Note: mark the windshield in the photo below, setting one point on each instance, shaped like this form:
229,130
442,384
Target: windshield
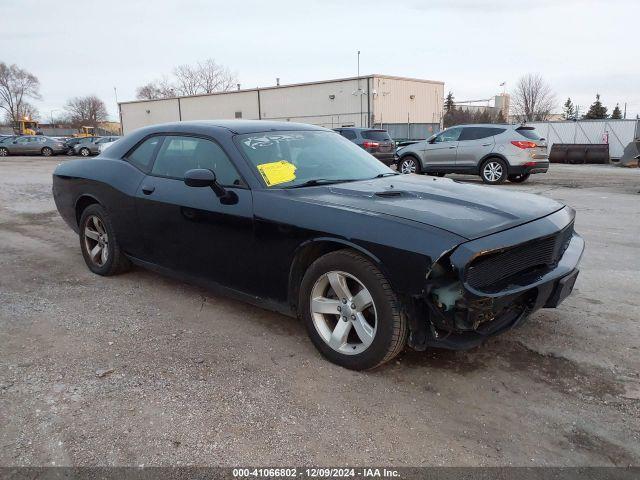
288,159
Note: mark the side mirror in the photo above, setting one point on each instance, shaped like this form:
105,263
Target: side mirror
202,177
432,141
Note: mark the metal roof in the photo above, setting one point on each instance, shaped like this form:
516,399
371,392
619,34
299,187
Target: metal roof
277,87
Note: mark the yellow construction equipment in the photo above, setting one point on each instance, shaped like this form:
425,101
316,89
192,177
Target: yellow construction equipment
25,127
85,132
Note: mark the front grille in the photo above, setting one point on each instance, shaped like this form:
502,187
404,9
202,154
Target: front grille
494,269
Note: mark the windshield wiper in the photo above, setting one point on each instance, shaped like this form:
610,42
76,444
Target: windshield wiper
386,174
323,181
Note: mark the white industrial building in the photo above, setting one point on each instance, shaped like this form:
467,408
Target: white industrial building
407,107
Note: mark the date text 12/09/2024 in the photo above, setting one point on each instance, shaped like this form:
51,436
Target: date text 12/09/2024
322,472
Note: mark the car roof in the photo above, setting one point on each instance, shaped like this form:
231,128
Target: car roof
236,126
361,129
489,125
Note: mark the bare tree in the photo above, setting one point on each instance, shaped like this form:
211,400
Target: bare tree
26,110
16,87
215,78
203,77
533,98
157,89
89,111
187,80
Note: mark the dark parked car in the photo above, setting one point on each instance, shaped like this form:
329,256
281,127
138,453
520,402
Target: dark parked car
86,149
73,142
377,142
297,219
31,145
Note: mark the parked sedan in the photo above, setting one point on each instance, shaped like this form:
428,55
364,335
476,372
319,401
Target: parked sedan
377,142
102,146
86,149
72,142
32,145
495,152
295,218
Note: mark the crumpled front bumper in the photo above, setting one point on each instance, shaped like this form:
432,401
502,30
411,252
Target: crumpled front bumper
483,313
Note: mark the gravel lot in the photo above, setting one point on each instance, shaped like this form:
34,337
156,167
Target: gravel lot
143,370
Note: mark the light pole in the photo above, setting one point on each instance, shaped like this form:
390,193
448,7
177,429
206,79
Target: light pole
359,89
119,113
51,115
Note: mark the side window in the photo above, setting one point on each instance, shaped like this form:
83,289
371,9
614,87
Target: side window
179,154
449,135
23,140
474,133
477,133
141,157
349,134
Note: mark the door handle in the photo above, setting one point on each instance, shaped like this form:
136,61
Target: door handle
148,189
452,147
486,144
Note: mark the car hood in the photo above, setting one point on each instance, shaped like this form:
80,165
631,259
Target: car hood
470,211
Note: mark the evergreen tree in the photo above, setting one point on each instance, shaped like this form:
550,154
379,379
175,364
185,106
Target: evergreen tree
568,110
597,111
617,114
449,103
499,118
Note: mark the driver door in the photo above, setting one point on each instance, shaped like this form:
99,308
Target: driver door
188,229
442,150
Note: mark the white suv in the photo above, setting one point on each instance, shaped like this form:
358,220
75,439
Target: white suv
495,152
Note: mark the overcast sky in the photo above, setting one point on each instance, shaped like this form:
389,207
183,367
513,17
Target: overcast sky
88,47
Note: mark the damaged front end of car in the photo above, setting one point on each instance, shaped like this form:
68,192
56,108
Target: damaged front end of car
486,286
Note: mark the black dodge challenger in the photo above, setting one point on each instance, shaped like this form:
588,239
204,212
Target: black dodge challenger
297,219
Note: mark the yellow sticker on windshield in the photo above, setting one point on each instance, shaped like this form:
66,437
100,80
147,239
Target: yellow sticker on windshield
277,172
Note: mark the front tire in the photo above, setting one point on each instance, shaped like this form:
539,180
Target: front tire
99,244
519,178
493,171
350,311
46,152
409,164
85,152
4,152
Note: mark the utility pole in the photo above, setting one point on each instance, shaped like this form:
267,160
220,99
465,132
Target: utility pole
359,89
51,115
115,92
625,111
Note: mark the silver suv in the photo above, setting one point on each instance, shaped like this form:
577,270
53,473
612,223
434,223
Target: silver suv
495,152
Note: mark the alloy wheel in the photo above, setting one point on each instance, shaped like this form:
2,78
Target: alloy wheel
84,152
46,151
3,152
408,166
343,312
493,171
96,240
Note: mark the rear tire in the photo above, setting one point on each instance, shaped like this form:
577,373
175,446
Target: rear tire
493,171
519,178
84,151
46,152
357,324
99,244
409,164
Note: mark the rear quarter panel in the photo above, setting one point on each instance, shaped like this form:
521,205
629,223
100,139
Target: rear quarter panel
112,183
